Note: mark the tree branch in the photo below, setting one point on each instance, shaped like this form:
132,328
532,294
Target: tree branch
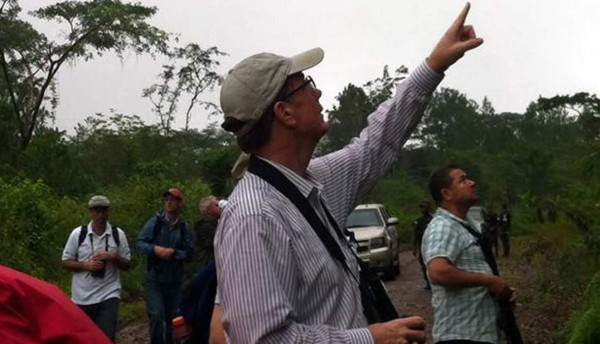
4,2
52,70
13,99
75,43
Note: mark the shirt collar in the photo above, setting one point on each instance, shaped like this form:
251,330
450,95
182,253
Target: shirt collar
443,212
306,186
107,230
163,215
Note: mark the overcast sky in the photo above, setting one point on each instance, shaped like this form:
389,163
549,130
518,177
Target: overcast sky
532,48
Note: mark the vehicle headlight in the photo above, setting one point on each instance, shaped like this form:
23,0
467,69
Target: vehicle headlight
378,242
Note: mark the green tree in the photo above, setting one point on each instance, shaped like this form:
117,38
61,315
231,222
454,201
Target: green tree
215,168
214,136
29,60
190,73
451,120
52,159
382,88
116,147
349,117
584,106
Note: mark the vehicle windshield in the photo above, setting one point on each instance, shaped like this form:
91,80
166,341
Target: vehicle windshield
364,218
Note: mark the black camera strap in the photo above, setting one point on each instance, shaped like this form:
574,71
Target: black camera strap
377,306
92,242
509,321
274,177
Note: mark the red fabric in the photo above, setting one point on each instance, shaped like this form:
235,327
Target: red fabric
34,311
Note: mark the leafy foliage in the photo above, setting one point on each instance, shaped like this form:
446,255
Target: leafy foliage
29,60
33,225
452,120
543,162
349,117
583,327
191,73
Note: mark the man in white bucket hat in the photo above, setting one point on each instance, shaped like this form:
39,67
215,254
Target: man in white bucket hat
278,281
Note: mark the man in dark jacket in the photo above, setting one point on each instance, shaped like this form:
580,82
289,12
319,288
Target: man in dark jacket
167,241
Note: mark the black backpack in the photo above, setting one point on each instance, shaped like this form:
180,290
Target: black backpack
83,231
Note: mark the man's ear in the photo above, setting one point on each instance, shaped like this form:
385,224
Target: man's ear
284,114
446,194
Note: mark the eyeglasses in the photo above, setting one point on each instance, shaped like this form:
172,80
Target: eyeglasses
308,82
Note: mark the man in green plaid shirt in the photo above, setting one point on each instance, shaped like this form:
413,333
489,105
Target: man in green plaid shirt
464,288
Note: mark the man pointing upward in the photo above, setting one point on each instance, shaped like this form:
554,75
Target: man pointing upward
277,281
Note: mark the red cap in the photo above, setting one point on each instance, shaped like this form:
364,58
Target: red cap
175,192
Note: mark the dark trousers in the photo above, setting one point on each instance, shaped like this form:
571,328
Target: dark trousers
505,239
460,341
162,300
493,240
105,315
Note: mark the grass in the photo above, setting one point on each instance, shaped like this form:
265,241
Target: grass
131,312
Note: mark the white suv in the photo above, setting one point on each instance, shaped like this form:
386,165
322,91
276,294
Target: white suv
377,236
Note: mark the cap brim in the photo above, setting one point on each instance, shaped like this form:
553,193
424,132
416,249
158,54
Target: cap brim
306,60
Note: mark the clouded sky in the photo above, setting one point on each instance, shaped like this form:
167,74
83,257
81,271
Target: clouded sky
532,48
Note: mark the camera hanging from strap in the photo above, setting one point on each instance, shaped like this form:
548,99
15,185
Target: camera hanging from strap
508,321
377,305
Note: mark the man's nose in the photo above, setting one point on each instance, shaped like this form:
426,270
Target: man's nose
318,93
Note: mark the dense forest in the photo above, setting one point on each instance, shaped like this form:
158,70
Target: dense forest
543,162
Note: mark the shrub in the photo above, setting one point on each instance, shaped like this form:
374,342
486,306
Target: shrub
583,327
34,225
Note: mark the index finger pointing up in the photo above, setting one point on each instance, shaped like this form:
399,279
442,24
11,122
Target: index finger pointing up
460,20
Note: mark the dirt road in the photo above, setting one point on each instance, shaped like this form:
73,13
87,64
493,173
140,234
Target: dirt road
540,319
407,292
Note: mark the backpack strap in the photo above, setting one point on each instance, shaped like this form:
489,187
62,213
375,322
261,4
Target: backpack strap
115,235
82,234
156,229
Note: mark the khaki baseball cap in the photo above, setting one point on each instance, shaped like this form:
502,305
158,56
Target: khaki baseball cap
99,201
252,85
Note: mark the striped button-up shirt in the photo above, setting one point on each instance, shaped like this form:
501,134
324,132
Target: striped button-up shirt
459,313
277,281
